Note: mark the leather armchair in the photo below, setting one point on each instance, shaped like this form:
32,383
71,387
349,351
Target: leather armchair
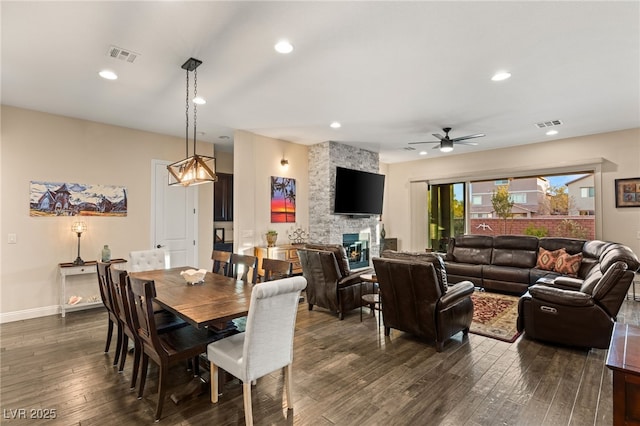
330,283
563,312
414,301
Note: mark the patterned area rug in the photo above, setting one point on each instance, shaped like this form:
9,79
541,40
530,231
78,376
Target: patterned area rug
495,315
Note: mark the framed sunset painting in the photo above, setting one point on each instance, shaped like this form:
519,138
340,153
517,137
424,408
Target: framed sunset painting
283,200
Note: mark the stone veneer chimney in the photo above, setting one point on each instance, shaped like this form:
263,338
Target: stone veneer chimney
324,226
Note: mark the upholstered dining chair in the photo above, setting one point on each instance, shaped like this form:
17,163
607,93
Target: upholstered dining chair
147,260
275,269
105,284
185,343
221,261
267,343
247,264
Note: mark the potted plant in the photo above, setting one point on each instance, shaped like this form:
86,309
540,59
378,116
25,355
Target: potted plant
272,236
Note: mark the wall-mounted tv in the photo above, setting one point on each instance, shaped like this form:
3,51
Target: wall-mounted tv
358,193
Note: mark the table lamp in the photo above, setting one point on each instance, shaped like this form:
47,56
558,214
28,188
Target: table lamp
78,228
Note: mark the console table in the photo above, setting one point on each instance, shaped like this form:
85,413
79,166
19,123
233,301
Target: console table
288,252
624,360
69,269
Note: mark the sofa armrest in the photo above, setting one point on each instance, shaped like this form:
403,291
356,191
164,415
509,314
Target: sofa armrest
560,296
568,283
455,293
353,278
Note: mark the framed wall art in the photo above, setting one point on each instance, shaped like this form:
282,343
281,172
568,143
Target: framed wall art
283,200
628,192
76,199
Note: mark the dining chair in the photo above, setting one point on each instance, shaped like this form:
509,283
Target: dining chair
105,283
147,260
165,322
267,343
185,343
247,264
221,261
275,269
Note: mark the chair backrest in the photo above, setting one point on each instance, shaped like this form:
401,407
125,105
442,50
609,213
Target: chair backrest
104,282
147,260
245,263
221,261
268,343
121,299
409,292
141,294
275,269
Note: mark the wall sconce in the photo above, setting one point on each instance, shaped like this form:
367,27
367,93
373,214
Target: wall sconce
78,228
284,163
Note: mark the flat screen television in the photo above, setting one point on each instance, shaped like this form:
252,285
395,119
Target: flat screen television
358,193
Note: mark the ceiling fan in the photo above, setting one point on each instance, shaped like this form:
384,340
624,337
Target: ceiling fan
446,143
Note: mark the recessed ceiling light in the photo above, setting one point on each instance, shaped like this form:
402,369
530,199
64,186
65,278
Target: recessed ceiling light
500,76
552,132
199,100
223,137
423,152
284,47
108,75
335,125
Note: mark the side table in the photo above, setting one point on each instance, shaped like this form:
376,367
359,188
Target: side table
624,360
373,300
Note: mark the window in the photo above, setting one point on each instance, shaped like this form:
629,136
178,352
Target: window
500,182
587,192
518,198
477,200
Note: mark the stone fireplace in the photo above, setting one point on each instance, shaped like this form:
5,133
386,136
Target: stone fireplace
324,226
357,248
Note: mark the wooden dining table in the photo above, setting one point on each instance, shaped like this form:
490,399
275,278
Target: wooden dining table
214,302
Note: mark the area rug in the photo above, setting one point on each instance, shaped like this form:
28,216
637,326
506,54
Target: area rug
495,316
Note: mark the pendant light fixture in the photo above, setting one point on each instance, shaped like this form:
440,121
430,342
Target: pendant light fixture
196,169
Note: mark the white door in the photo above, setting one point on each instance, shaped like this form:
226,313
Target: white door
174,219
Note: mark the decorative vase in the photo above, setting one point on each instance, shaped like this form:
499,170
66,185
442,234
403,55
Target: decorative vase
271,239
106,253
383,233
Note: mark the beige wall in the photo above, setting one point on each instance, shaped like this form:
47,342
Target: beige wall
256,159
39,146
618,155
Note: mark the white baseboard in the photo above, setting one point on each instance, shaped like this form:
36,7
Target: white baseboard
29,313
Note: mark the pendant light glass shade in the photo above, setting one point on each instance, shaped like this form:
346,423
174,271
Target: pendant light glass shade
195,169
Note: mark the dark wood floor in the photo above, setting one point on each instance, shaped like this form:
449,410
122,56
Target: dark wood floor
345,373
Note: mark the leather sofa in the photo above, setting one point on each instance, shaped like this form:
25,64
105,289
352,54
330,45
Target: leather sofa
511,263
330,282
416,299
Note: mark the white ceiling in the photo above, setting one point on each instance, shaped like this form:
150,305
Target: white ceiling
390,72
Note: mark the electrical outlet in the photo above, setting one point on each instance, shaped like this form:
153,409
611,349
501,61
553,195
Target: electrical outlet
12,239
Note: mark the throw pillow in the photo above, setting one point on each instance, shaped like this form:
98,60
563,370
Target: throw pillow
568,264
547,259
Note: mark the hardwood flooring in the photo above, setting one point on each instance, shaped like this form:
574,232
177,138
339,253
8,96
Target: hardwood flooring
345,373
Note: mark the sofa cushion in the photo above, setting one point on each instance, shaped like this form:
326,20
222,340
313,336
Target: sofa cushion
515,250
570,245
463,269
547,259
506,273
431,258
474,249
568,264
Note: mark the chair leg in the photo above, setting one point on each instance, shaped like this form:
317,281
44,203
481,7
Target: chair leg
214,383
439,346
143,374
248,414
196,366
387,331
465,331
118,345
288,380
162,389
109,334
123,352
136,364
311,306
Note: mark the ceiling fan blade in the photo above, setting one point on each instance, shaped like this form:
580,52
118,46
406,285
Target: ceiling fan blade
462,138
437,135
416,143
467,143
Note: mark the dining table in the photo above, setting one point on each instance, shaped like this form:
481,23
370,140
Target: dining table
209,304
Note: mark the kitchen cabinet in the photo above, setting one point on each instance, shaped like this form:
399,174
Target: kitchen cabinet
223,198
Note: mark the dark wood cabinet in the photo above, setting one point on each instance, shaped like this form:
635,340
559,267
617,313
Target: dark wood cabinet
223,198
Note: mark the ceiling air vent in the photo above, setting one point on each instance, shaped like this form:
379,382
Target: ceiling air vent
550,123
122,54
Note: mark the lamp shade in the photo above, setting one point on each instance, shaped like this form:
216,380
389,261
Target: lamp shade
79,227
